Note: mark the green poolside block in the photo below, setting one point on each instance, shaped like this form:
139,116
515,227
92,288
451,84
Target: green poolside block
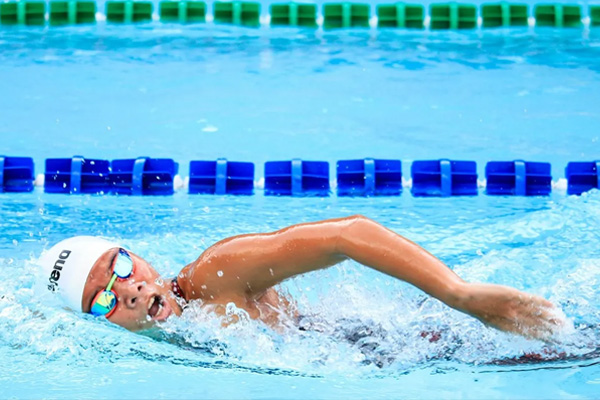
504,14
558,15
9,13
346,15
185,12
72,12
400,15
453,16
594,15
294,14
237,13
23,13
128,11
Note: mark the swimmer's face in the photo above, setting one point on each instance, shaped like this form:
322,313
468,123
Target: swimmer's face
142,299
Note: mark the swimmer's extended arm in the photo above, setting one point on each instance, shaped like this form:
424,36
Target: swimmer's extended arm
247,265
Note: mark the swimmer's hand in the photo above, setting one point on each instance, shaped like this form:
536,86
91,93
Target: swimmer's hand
511,310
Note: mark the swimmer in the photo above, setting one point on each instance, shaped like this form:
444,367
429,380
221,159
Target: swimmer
93,275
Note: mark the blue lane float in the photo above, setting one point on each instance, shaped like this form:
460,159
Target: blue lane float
518,178
363,177
16,174
221,177
444,178
77,175
369,177
582,176
297,178
143,176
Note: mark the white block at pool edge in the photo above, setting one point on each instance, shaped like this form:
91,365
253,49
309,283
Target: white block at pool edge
39,180
560,185
178,183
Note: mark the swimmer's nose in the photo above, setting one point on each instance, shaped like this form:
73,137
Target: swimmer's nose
133,294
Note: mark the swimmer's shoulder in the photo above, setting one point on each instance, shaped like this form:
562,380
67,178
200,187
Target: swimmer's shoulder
185,281
200,279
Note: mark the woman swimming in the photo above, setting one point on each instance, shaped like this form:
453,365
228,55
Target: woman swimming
99,277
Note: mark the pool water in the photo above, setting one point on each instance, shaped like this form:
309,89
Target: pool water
257,95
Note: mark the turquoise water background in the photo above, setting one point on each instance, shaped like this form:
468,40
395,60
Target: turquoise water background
257,95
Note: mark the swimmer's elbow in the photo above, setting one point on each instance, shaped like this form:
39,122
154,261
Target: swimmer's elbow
358,218
328,240
351,228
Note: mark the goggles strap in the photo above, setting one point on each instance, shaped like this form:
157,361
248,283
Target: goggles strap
112,281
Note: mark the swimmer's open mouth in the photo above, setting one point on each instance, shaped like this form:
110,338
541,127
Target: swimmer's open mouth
155,306
158,308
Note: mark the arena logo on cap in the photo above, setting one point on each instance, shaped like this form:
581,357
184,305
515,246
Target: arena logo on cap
58,266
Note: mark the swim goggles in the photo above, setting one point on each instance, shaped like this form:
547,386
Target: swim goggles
105,302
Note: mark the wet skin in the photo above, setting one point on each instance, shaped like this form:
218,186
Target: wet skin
134,294
243,270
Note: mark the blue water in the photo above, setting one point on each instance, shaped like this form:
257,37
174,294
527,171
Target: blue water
257,95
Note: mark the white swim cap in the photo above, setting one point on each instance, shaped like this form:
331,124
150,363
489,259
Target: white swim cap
67,265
